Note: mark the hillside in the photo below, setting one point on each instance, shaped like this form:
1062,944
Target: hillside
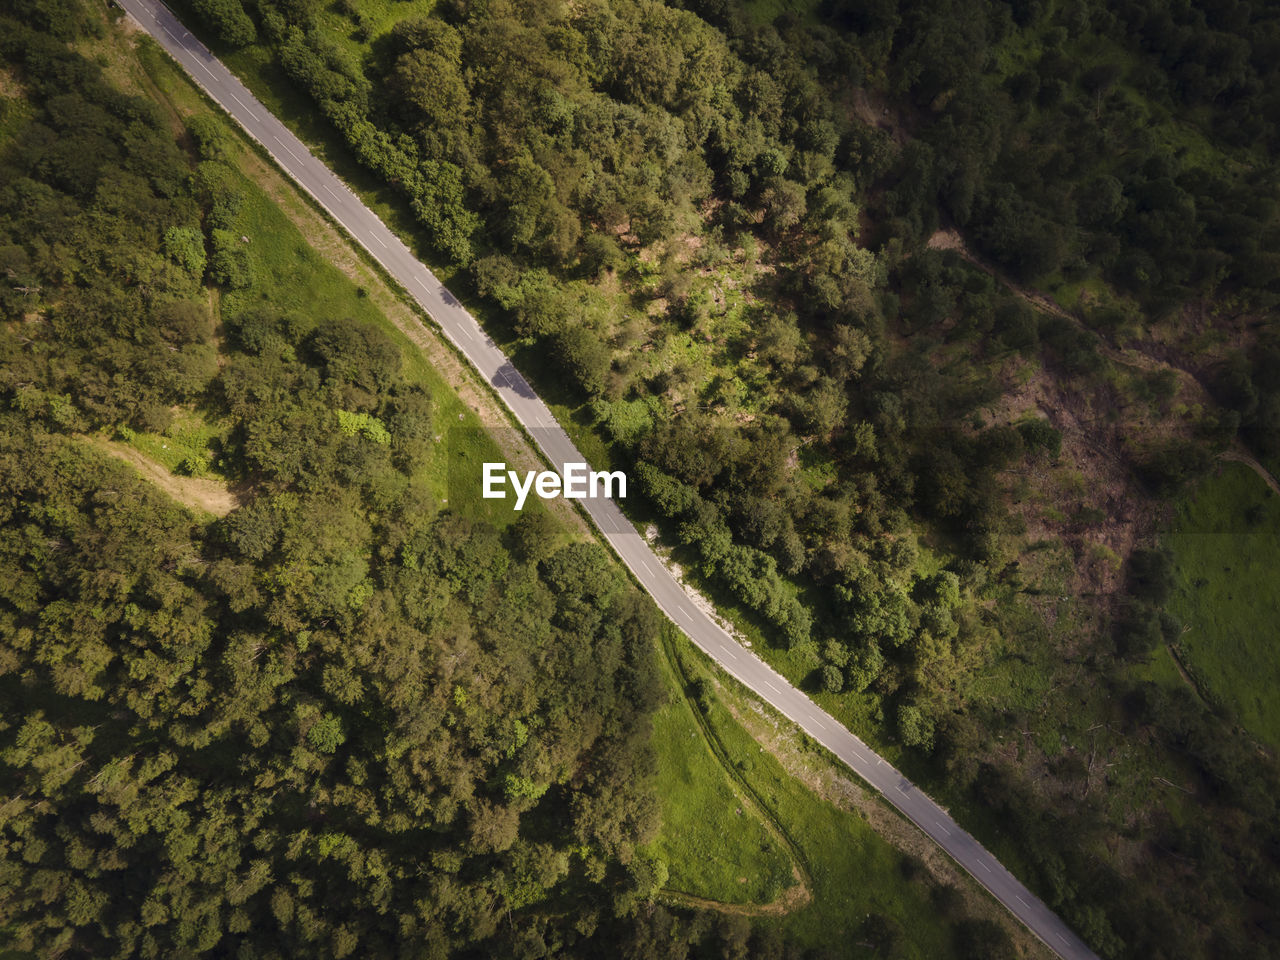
273,688
911,319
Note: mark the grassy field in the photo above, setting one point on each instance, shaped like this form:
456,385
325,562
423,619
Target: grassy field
1226,544
701,807
853,872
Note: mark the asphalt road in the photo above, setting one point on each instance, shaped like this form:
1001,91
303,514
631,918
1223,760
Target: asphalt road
461,328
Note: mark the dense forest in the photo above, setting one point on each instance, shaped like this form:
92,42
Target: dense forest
340,720
789,263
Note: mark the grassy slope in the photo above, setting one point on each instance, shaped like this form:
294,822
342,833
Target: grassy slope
292,275
853,872
1226,543
698,799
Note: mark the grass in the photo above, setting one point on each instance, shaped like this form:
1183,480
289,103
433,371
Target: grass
1226,544
852,871
184,447
698,800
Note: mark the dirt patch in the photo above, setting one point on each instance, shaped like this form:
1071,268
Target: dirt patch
793,898
10,85
201,494
846,794
1090,499
875,110
1238,456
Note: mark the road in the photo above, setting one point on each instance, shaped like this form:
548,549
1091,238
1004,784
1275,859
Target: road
461,328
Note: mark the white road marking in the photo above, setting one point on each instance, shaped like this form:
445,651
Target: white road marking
730,654
646,568
983,865
381,241
939,825
1063,939
1021,901
901,789
329,190
772,687
204,68
245,108
820,723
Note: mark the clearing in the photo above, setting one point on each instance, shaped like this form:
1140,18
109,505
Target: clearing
201,494
1225,539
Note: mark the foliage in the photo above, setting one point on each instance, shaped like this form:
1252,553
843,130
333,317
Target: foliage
684,214
337,694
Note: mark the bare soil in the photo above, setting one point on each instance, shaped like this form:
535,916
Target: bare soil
201,494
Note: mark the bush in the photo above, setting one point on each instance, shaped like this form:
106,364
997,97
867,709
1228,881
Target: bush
1136,630
583,356
1169,468
228,19
185,247
229,264
1040,434
207,134
832,678
915,727
1151,575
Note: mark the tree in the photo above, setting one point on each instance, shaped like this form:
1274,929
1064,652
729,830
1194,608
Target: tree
915,727
228,19
1151,575
583,356
832,678
431,87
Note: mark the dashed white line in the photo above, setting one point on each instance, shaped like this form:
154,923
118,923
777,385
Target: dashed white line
983,865
730,654
1063,939
1021,901
244,107
939,825
901,789
820,723
329,190
381,241
646,568
772,687
204,68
